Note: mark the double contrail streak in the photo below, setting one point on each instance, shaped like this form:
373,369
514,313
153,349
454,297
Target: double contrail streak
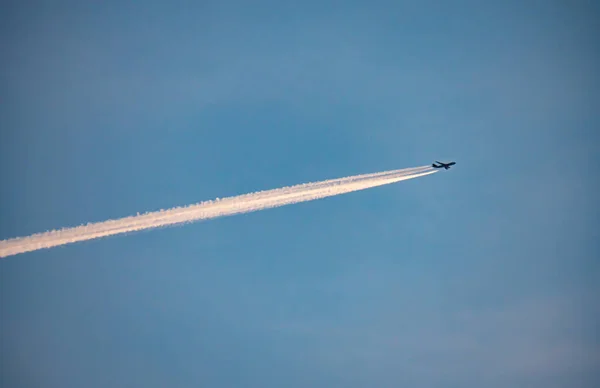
210,209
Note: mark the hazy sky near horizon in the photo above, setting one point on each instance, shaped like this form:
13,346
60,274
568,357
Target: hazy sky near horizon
483,275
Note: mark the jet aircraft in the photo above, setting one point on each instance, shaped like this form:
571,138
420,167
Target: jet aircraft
443,165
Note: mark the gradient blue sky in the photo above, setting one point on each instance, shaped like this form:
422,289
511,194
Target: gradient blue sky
485,275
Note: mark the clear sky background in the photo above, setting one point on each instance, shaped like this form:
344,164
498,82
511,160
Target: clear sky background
483,275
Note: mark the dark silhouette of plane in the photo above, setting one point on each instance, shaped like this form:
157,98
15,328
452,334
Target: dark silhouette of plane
444,165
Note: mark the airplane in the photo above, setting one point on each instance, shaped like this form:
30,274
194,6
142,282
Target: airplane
444,165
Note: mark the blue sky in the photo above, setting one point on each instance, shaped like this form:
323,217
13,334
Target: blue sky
484,275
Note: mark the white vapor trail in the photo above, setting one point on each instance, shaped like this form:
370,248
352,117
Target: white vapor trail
210,209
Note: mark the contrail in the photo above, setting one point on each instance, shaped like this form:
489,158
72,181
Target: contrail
209,209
